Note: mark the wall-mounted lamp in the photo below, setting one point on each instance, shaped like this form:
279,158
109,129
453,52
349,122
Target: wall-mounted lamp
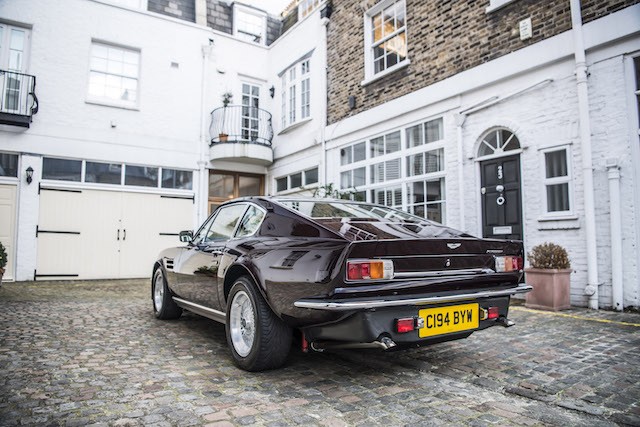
272,91
29,174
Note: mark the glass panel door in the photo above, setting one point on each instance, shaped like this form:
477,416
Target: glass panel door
250,104
15,86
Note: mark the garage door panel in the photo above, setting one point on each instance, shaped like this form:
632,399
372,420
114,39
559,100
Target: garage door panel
7,226
59,209
59,255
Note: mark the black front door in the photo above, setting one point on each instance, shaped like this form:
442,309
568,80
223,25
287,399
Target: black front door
501,198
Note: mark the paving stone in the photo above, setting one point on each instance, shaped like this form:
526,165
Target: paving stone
92,353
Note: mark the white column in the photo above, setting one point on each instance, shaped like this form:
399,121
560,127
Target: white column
613,173
585,143
27,220
460,118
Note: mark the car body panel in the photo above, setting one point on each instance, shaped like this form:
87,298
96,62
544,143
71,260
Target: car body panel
293,258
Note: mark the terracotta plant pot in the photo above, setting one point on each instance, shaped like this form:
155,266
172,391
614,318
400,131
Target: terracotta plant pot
223,137
551,289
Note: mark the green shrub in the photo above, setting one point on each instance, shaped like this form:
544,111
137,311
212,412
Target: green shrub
3,256
548,256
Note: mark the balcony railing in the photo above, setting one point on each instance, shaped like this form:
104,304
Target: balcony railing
18,100
237,123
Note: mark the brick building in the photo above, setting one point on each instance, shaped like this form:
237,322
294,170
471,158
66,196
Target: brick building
504,118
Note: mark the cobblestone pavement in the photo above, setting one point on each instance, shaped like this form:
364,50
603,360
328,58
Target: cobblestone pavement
92,353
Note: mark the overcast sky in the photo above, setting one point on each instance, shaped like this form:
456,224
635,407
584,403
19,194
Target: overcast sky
274,7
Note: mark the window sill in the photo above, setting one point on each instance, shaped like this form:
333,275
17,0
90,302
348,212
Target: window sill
112,104
499,4
295,125
559,222
376,77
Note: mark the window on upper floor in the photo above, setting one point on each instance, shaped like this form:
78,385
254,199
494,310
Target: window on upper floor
14,84
385,39
296,93
557,180
249,24
305,7
113,75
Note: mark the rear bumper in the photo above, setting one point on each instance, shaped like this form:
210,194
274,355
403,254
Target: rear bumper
355,304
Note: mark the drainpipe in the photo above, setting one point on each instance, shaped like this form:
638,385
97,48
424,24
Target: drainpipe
587,167
460,119
613,173
203,186
323,127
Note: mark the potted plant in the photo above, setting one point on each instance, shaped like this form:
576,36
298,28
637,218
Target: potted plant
3,260
549,275
226,100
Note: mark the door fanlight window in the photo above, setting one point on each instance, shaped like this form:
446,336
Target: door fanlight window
497,142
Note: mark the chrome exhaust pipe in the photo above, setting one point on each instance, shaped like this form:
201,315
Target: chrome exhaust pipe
383,343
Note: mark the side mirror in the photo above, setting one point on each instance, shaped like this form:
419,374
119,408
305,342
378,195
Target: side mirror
186,236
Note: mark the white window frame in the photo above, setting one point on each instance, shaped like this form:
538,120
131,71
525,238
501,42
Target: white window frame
497,4
254,127
307,7
106,100
296,103
402,155
303,179
568,179
239,9
369,74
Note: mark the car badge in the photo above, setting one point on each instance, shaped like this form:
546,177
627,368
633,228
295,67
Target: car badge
453,245
448,263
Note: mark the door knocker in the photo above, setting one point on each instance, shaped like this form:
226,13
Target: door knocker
500,200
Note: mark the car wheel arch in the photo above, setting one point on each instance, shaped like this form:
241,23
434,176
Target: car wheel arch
236,271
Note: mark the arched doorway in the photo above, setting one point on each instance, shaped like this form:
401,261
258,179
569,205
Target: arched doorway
500,185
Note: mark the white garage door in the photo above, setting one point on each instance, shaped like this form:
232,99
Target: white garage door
8,226
93,234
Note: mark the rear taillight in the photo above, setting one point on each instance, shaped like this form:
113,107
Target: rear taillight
509,263
369,269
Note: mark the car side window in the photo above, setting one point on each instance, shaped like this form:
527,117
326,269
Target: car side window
201,236
224,223
250,222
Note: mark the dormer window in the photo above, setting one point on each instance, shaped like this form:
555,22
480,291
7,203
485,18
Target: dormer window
249,24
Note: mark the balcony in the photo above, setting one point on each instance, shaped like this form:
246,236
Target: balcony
240,133
18,100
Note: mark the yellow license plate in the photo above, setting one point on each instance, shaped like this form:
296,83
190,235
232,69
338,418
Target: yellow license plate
445,320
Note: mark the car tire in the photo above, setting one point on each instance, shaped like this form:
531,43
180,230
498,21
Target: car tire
258,339
163,305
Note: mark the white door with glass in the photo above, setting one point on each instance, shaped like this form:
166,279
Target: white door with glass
15,86
250,118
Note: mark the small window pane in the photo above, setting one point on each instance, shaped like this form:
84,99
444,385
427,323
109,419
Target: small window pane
377,147
359,152
225,222
346,155
359,177
434,130
345,179
556,163
177,179
61,169
103,173
393,169
414,136
249,186
141,176
558,197
221,186
392,142
9,165
311,176
296,180
281,184
434,160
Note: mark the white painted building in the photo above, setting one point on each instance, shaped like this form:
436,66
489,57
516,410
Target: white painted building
131,144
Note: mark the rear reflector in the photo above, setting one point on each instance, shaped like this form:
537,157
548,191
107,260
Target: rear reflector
509,263
369,269
405,325
493,313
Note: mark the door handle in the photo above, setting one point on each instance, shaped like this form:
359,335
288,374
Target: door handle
118,238
124,232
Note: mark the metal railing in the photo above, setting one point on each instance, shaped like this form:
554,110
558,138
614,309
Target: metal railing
18,94
237,123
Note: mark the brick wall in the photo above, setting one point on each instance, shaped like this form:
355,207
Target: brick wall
220,16
594,9
182,9
444,38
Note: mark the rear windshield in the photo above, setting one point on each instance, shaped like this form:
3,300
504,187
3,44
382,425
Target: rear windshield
338,209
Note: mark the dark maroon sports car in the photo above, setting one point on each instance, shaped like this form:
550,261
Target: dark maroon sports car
345,274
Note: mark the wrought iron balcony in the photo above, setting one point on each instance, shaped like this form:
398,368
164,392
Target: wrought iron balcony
241,134
241,124
18,100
